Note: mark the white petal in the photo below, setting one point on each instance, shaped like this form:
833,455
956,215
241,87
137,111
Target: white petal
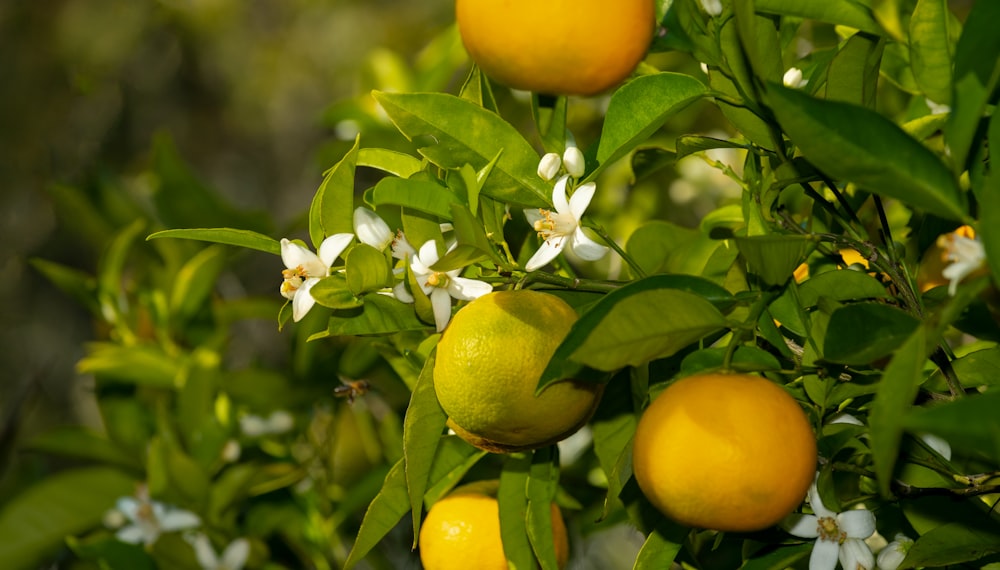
294,255
399,291
817,503
559,195
280,421
252,426
546,253
303,300
179,519
533,215
712,7
204,552
330,250
857,524
890,557
802,526
581,199
236,554
371,229
467,289
129,506
401,248
856,555
586,248
441,304
574,161
133,534
548,166
824,555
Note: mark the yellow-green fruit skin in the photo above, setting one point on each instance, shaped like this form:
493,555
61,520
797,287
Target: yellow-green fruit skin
713,460
488,364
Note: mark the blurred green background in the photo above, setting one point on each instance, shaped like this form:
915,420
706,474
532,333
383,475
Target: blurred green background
244,90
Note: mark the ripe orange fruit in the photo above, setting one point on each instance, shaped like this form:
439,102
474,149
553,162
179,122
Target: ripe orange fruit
488,363
462,531
729,452
557,47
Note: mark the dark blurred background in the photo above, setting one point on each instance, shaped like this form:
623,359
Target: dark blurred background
244,92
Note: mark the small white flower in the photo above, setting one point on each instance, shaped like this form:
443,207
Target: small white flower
574,162
562,227
439,286
838,535
890,557
231,451
965,254
304,269
549,166
234,557
280,421
704,67
712,7
372,229
793,78
937,108
149,519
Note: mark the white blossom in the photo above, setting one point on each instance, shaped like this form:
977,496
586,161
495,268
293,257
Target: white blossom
371,229
561,228
280,421
234,556
574,162
712,7
548,166
966,256
304,269
439,286
793,78
937,108
839,536
890,557
149,519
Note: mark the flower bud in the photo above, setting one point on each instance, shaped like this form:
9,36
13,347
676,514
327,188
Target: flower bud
712,7
548,166
793,78
574,161
371,229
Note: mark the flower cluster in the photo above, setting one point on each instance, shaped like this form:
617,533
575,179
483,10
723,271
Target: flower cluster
839,536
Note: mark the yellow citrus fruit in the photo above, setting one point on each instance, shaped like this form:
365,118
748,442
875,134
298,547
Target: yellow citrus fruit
462,531
729,452
488,364
557,47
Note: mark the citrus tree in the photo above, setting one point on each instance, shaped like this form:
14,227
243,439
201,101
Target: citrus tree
800,375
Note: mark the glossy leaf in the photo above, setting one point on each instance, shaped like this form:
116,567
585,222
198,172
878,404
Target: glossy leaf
852,76
84,444
989,207
613,426
196,280
855,144
513,500
774,257
334,292
844,285
393,162
37,520
422,428
543,482
227,236
142,365
421,195
976,369
472,243
861,333
378,315
332,210
465,133
744,359
841,12
661,546
930,49
951,544
893,399
639,108
971,423
367,270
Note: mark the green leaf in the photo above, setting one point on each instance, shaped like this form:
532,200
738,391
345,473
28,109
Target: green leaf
421,195
472,243
144,365
422,428
976,369
774,257
975,77
395,163
745,359
758,35
846,285
334,292
893,399
332,210
989,206
79,442
779,559
850,13
367,269
227,236
661,546
513,500
464,133
852,76
690,144
627,327
195,281
543,483
36,521
861,333
971,422
112,264
859,145
639,108
82,287
613,426
378,315
950,544
930,49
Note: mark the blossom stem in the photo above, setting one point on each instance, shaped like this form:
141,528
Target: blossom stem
639,273
574,283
